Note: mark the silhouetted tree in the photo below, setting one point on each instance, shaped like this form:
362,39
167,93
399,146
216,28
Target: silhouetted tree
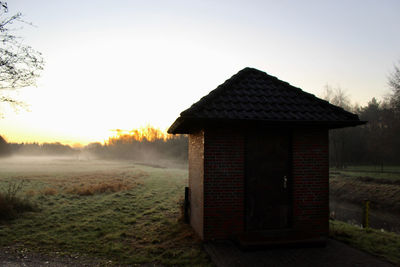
45,149
374,130
375,143
394,85
338,97
5,149
143,144
20,64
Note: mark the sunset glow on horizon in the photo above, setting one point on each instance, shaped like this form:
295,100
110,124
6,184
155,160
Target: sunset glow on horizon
128,64
147,132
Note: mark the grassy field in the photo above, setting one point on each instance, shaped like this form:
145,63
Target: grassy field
130,214
116,211
383,196
382,244
389,173
357,183
373,168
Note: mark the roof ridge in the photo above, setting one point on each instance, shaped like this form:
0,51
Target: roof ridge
220,88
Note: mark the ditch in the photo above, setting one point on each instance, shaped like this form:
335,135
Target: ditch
352,213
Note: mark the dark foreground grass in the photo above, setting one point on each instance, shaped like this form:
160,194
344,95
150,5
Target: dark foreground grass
136,224
383,244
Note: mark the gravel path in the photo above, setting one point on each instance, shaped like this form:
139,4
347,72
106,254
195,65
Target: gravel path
19,256
334,254
222,254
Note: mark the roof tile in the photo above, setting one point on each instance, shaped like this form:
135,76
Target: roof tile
254,95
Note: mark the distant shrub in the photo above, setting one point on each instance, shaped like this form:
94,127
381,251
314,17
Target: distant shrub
104,187
30,193
49,191
11,205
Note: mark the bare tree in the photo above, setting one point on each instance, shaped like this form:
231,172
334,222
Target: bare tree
394,85
336,96
20,64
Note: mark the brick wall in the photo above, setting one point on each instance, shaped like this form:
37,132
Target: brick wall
196,173
311,182
223,184
216,181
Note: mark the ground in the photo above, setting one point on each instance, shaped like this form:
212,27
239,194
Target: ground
11,256
350,187
106,210
118,213
334,254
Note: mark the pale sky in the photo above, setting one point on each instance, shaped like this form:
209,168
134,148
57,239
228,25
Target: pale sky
125,64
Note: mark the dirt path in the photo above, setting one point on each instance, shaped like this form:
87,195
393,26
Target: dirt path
334,254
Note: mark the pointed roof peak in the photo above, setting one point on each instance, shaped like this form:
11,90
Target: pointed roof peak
254,95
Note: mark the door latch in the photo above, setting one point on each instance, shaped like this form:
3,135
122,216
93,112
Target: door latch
284,181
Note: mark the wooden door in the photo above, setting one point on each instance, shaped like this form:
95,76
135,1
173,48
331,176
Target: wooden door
268,180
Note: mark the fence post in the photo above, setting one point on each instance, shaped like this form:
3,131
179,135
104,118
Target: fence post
187,205
365,221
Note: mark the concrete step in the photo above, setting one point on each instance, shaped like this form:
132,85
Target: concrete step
258,240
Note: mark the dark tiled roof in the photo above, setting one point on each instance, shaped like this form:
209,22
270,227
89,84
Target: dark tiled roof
253,95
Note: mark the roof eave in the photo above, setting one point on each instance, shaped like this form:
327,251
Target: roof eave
187,125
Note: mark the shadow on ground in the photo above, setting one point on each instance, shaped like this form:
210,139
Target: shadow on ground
335,253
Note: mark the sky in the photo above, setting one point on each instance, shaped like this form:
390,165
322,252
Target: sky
125,64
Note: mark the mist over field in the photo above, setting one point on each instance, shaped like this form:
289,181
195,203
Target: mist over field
147,145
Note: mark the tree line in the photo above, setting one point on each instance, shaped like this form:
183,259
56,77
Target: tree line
146,144
151,147
375,143
45,149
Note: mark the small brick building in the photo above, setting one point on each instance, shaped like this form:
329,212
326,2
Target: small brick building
258,161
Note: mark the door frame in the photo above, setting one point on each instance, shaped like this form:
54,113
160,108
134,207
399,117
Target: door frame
289,184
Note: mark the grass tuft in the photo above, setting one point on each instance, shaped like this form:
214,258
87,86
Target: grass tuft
49,191
376,242
105,187
11,204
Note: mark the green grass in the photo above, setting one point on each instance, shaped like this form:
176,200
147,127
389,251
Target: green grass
373,175
391,173
373,168
131,224
383,244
